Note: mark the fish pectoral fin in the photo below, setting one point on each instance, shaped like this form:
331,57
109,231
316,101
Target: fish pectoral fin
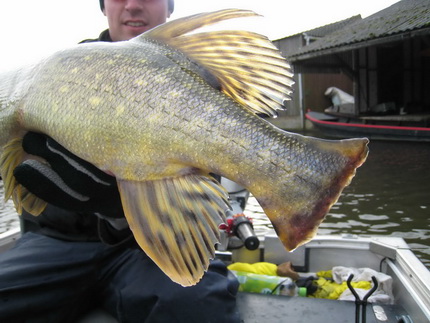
248,67
12,156
176,222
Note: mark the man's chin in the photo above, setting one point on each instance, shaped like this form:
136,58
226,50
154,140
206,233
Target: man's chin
133,32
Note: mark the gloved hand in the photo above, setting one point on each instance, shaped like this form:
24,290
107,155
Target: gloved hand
68,182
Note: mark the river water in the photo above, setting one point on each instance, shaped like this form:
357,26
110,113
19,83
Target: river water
390,195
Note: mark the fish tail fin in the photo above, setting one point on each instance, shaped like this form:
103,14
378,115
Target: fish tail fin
303,204
176,222
248,67
12,156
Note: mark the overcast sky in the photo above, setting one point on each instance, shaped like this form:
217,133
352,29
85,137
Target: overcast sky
31,29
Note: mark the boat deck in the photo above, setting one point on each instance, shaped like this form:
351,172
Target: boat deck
269,308
256,308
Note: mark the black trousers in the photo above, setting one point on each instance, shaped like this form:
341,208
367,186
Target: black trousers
49,280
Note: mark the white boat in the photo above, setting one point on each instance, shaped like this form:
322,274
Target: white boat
389,255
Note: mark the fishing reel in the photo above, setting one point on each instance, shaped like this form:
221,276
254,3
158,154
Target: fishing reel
240,226
238,230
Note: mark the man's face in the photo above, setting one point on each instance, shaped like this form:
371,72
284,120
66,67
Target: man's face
129,18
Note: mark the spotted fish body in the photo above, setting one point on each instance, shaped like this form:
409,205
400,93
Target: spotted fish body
162,111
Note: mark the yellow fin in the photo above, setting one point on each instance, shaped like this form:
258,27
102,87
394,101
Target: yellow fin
24,199
182,26
12,156
176,222
297,207
249,68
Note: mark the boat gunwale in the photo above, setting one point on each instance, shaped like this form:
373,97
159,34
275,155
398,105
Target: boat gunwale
360,125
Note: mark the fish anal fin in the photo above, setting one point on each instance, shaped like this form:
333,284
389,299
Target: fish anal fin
12,156
249,68
176,222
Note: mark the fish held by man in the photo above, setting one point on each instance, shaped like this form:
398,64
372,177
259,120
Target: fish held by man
164,110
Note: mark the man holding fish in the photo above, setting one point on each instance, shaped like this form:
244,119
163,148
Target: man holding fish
161,113
80,253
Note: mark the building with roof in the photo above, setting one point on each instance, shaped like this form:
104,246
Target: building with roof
384,58
309,87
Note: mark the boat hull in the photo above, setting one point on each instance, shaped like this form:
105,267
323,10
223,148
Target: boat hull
348,127
390,255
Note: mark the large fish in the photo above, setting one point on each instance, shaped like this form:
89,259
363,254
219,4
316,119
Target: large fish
162,111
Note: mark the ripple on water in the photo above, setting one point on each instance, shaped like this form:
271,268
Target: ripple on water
373,217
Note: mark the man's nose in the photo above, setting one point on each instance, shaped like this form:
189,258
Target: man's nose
133,4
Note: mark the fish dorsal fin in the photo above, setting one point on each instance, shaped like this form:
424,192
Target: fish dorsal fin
249,68
12,156
176,222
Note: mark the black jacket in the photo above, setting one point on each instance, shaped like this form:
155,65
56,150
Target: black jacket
104,36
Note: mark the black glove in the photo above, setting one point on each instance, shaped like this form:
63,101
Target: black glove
68,182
